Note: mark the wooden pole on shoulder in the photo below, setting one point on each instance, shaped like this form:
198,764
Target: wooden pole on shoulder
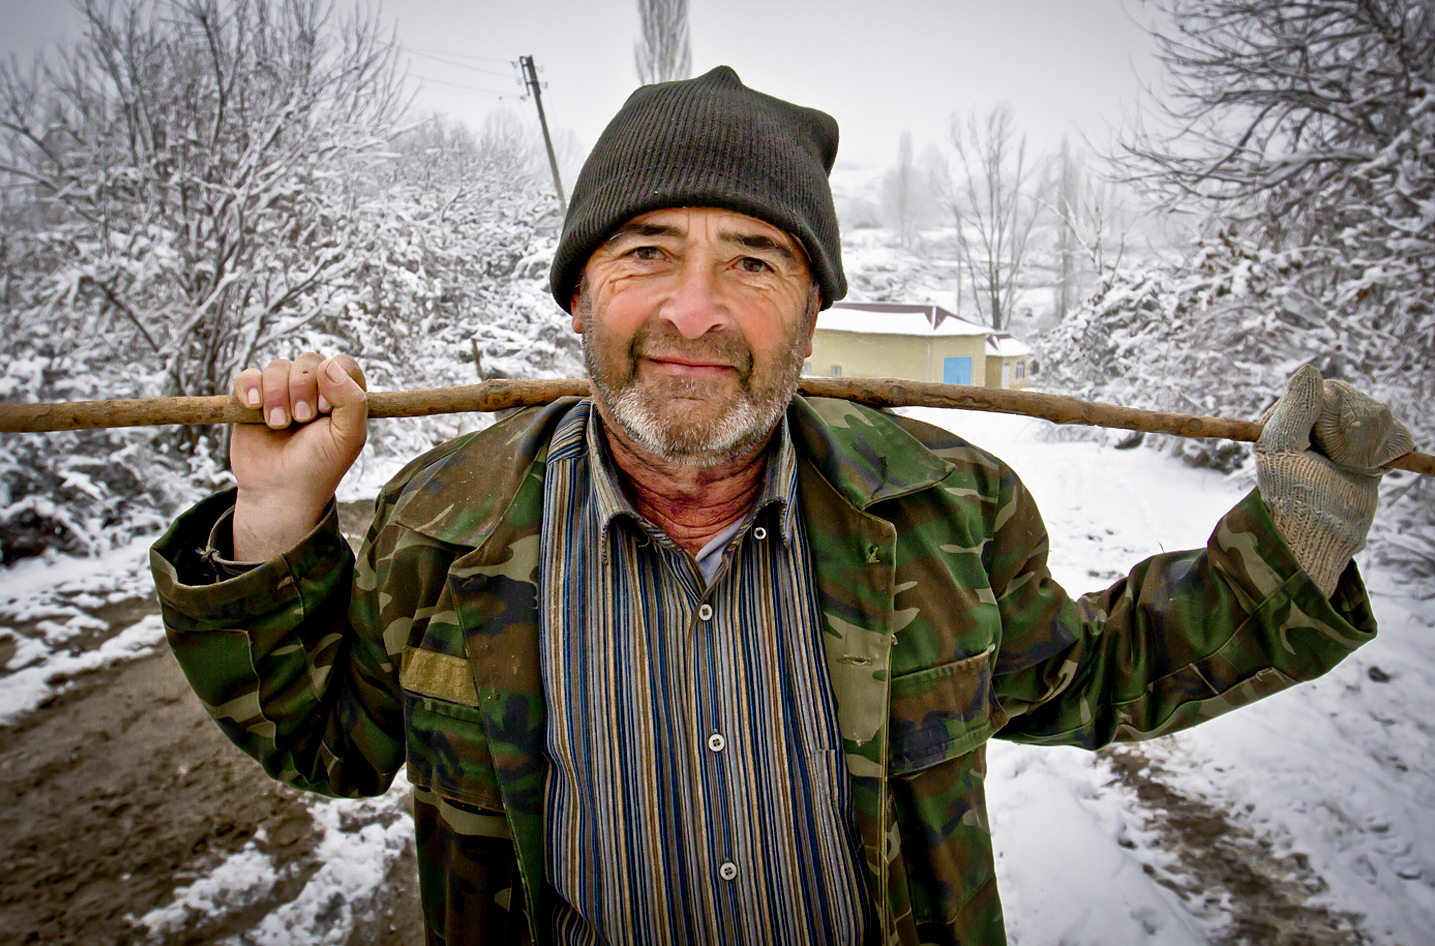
501,394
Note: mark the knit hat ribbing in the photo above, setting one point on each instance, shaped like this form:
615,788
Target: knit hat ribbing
707,142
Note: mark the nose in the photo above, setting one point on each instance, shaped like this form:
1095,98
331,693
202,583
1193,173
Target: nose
695,306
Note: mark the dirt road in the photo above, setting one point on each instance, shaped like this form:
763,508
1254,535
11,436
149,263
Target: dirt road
121,790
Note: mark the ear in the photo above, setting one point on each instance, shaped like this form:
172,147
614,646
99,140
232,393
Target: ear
578,304
577,312
814,304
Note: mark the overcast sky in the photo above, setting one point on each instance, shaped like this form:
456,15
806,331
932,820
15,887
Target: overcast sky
1065,66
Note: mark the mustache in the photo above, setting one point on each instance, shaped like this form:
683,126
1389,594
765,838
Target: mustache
727,348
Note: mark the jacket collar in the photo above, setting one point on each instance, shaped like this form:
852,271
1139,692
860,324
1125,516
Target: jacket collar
461,492
863,453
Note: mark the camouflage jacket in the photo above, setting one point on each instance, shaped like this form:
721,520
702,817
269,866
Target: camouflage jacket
943,629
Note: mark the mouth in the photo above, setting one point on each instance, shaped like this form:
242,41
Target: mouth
687,365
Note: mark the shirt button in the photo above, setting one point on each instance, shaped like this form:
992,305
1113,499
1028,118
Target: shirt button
706,612
716,742
728,870
759,533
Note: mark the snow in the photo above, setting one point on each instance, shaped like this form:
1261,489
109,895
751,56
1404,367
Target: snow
1343,771
1340,772
1071,853
355,865
999,343
50,591
25,689
360,841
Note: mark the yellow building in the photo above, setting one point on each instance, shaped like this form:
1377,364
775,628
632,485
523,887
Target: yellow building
1007,361
916,342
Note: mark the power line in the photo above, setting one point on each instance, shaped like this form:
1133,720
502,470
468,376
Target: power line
468,88
530,78
449,52
462,65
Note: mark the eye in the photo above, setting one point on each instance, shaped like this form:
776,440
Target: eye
646,253
751,264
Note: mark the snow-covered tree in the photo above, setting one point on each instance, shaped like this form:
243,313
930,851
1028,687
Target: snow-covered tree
198,186
1090,229
1308,127
193,159
1300,134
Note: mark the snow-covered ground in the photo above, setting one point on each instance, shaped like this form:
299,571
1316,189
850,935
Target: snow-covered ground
52,598
1336,777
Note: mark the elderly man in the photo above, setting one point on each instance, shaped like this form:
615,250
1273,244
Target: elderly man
698,661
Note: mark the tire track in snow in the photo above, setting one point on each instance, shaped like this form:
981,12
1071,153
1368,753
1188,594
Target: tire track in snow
1264,897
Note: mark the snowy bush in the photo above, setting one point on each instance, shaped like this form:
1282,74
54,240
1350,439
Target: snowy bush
87,491
1221,335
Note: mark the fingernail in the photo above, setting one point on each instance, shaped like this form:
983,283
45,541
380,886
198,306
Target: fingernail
276,418
252,398
303,412
336,374
324,405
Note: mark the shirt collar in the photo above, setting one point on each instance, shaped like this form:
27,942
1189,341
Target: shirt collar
609,501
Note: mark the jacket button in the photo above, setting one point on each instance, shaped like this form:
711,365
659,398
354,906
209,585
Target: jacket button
716,742
759,533
728,870
705,612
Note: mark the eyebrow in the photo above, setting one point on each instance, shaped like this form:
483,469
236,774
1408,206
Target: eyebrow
643,230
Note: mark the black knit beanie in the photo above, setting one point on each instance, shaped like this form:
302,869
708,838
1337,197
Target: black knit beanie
707,142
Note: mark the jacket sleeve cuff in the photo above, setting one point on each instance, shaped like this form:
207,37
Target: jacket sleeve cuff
195,578
1251,550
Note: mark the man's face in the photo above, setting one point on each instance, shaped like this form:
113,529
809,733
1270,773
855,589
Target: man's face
695,323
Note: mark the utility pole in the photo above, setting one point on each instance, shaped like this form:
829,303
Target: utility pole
530,80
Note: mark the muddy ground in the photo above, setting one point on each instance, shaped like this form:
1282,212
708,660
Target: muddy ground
120,790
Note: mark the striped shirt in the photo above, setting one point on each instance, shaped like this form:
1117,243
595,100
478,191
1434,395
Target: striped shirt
697,791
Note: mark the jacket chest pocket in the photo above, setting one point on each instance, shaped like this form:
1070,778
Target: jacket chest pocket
940,713
445,736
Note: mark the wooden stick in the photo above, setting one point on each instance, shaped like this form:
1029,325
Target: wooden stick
501,394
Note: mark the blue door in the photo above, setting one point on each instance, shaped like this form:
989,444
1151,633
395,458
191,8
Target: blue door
957,370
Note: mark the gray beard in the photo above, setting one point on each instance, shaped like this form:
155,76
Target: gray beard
650,424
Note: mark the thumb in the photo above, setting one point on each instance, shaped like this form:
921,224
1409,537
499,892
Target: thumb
1289,425
341,382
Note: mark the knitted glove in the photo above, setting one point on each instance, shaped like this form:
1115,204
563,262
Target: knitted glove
1323,499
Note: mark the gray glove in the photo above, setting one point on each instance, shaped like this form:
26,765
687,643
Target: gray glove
1323,499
